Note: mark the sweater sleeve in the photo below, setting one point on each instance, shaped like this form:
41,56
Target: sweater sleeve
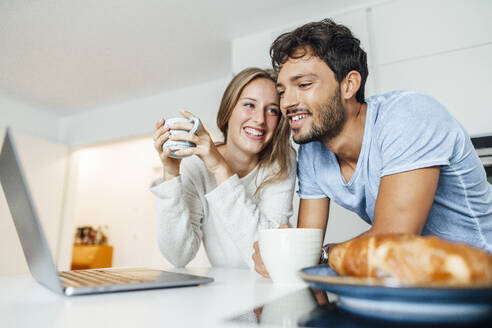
179,213
241,216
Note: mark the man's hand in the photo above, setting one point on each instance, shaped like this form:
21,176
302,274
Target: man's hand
259,265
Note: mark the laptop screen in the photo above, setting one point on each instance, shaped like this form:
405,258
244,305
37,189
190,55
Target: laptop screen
25,218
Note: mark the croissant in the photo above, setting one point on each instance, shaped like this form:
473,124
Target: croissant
412,260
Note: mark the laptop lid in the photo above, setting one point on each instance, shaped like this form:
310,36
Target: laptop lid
26,221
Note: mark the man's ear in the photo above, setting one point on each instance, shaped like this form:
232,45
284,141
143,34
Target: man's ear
350,85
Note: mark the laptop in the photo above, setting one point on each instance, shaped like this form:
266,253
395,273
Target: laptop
39,257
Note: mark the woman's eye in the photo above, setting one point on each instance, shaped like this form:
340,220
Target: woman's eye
273,112
249,105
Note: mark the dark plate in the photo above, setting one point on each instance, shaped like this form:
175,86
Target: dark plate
386,299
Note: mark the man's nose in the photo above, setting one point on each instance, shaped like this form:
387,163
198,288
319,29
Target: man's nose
289,100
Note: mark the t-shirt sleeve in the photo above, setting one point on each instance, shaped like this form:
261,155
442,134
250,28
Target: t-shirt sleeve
415,132
308,187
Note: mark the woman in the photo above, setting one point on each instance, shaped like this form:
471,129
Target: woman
225,193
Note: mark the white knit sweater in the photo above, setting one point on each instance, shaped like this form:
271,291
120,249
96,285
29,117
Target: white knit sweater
192,208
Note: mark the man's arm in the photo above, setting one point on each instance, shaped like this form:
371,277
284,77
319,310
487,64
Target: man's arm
404,201
313,213
402,206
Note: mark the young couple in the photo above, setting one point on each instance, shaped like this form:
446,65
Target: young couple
399,160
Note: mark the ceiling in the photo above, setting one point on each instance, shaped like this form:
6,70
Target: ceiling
67,56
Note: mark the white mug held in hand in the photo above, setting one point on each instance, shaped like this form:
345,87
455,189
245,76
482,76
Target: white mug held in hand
286,251
176,145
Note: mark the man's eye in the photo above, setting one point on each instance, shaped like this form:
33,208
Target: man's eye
281,93
304,84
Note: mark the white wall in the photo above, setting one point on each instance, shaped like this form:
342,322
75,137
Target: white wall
45,166
137,118
439,47
28,119
253,50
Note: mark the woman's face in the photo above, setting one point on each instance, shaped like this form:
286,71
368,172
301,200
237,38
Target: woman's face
255,117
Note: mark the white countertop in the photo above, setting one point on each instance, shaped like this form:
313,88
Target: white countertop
25,303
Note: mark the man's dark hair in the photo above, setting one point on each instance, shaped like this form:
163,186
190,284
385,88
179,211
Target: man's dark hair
332,42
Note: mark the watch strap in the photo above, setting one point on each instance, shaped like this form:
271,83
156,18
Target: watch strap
324,253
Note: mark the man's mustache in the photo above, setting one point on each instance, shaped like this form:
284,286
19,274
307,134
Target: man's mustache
298,109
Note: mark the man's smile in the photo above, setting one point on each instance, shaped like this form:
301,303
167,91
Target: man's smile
297,117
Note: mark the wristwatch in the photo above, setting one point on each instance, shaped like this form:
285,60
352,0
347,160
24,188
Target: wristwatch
324,253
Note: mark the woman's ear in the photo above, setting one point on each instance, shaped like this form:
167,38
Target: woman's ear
350,85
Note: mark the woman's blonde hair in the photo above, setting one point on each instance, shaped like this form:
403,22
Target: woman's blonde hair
277,153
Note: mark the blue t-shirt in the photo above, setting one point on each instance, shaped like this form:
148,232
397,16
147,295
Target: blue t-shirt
406,131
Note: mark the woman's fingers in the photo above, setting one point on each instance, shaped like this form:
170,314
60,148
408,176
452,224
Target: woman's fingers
165,154
202,139
187,114
185,137
159,123
203,130
166,158
201,148
259,265
186,151
181,126
160,141
159,131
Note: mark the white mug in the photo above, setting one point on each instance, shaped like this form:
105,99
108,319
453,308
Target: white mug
286,251
176,145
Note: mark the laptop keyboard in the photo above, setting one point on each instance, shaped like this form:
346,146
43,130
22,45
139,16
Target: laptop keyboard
80,278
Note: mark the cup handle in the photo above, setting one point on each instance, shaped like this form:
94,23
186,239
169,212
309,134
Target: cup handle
196,125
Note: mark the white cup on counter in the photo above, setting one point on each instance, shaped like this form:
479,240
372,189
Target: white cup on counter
286,251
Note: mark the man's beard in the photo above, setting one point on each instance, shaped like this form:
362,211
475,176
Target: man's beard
331,120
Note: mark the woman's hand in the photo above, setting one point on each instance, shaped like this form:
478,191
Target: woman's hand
259,265
170,165
258,261
205,149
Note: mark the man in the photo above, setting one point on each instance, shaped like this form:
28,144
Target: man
399,160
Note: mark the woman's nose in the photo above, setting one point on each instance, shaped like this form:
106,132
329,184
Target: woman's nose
259,115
